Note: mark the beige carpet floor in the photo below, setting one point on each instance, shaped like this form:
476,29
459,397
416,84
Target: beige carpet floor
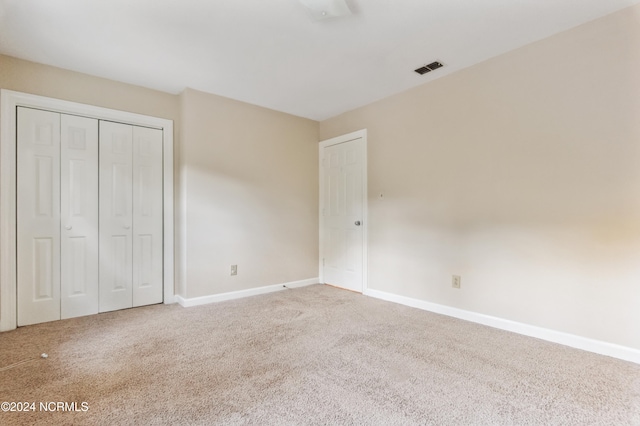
314,355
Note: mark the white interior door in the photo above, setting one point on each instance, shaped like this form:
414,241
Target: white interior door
147,216
79,280
90,216
46,269
343,215
131,216
116,216
38,216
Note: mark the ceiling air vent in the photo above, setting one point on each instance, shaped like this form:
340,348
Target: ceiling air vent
428,68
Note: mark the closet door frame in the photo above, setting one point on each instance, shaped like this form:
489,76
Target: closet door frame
9,101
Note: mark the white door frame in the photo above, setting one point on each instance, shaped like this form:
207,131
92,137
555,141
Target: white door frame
10,100
359,134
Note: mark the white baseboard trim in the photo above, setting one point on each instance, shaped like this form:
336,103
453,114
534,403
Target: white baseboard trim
196,301
591,345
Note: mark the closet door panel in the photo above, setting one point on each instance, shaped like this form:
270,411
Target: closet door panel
79,216
147,216
116,221
38,216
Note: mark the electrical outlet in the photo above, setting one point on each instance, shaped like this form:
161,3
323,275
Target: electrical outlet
455,281
234,269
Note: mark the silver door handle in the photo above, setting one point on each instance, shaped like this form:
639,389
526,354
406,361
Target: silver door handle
127,226
357,223
68,227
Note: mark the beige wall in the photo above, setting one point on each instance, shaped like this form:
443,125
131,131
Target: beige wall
521,174
250,192
44,80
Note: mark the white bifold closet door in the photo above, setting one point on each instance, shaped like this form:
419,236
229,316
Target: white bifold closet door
79,280
130,216
57,216
89,216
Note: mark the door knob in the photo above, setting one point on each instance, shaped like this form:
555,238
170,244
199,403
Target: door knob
127,226
68,227
357,223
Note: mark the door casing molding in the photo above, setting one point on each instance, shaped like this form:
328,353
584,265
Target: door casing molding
9,101
359,134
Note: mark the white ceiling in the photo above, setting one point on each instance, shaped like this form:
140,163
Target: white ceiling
270,53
